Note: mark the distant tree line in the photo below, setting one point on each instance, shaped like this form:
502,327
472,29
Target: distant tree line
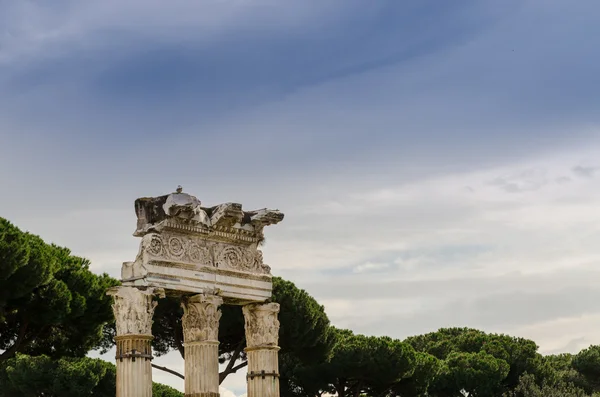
54,311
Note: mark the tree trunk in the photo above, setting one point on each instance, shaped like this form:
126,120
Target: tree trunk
341,388
179,344
357,391
230,366
168,370
11,351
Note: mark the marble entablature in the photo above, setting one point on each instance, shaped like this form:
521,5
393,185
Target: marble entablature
187,248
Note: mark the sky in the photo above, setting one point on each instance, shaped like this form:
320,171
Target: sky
437,162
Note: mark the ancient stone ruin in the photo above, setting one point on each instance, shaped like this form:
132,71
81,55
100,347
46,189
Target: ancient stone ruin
206,256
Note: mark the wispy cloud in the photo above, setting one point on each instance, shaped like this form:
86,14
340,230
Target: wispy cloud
585,171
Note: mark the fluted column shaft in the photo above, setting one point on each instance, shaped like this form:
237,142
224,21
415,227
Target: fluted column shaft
133,309
262,334
200,336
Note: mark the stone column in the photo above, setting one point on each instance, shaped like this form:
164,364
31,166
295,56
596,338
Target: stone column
262,334
133,309
201,341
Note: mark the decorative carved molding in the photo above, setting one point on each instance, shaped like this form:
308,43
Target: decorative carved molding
195,251
133,309
247,259
262,326
177,248
201,318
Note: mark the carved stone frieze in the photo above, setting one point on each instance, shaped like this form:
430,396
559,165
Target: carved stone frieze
133,309
248,259
177,248
191,252
201,318
262,326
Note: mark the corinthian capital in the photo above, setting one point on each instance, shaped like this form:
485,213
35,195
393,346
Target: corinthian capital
133,309
262,326
201,317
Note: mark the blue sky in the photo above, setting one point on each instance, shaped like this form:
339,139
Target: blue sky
436,161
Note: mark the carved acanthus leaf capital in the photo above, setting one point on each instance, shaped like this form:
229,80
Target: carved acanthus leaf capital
201,317
133,309
262,326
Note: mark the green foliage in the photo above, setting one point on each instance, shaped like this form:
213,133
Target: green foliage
361,366
378,361
367,364
427,368
160,390
25,264
480,374
166,328
556,370
304,327
50,302
300,380
587,363
520,354
528,387
27,376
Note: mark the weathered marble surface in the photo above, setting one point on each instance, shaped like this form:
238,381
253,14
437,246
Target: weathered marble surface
154,214
133,309
262,333
261,324
201,339
201,318
187,248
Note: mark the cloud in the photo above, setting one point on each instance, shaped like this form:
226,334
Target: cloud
418,256
558,336
573,346
587,172
504,303
504,264
563,180
82,26
186,96
524,181
227,393
370,267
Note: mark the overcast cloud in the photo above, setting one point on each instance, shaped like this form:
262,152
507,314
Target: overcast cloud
437,162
